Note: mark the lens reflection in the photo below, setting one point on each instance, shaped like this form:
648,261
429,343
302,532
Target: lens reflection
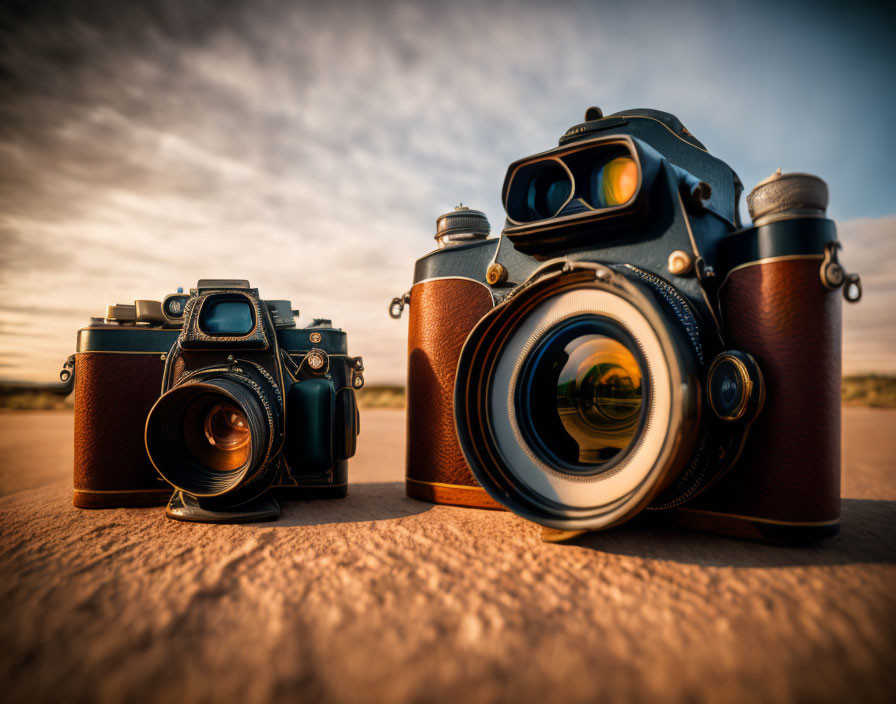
217,434
614,183
548,191
599,397
581,394
226,427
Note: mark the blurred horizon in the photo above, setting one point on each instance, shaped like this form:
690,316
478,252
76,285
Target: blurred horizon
310,148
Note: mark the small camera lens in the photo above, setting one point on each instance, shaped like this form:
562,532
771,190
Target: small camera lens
174,306
208,437
726,388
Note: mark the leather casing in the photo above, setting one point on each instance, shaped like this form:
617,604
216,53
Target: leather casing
113,395
789,470
442,313
114,392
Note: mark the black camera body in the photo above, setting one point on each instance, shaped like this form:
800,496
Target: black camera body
626,343
230,401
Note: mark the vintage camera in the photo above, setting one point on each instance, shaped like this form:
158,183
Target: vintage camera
214,402
626,344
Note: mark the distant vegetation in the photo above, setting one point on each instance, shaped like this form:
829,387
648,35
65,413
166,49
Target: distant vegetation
381,397
21,396
875,390
18,396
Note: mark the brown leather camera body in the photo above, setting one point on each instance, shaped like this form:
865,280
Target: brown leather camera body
438,328
762,302
114,392
118,373
787,477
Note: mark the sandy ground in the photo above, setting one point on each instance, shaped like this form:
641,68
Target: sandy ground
382,598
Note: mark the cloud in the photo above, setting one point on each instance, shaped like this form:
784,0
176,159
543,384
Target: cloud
869,339
310,148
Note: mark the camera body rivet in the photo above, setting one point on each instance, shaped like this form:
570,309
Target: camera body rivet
315,360
680,263
496,274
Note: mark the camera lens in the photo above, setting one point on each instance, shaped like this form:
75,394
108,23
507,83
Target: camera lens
581,395
216,433
736,389
728,390
213,436
614,182
577,399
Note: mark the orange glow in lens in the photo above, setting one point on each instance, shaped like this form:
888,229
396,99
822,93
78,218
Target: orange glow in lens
619,180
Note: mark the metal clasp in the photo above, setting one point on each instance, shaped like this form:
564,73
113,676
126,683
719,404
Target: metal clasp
67,375
396,307
833,275
357,368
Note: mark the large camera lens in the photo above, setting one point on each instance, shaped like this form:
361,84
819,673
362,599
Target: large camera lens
213,436
580,396
577,399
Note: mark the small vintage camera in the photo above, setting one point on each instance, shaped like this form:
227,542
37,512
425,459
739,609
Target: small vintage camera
626,344
213,401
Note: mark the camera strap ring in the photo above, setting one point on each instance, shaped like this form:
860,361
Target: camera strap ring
396,307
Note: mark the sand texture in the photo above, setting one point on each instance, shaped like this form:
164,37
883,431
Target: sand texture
381,598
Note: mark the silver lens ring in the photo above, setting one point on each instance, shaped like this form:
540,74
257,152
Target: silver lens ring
631,474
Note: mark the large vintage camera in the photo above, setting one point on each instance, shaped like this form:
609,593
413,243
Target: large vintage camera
213,401
626,344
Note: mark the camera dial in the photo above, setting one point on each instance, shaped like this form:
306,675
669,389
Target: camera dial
460,226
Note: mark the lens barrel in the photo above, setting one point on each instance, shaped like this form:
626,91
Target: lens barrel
213,436
577,400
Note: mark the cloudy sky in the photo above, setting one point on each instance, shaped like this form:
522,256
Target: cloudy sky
308,148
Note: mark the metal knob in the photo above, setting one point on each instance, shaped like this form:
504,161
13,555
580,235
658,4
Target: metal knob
461,225
317,360
783,196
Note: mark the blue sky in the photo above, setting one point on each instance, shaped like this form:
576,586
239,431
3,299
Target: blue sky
310,149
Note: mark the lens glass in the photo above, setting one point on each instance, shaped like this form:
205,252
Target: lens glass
226,427
614,182
538,191
547,193
227,316
727,389
581,395
216,433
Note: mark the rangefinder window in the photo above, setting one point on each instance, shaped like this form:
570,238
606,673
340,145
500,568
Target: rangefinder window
227,315
540,190
173,307
606,177
573,182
